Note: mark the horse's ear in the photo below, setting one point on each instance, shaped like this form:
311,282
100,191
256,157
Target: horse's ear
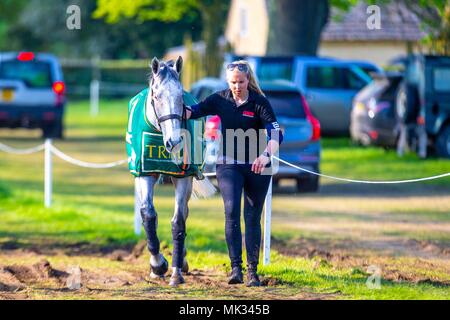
155,65
179,64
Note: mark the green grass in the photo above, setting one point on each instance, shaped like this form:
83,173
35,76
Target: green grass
341,158
95,207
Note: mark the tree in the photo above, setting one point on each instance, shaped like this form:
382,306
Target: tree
25,25
9,12
436,19
298,24
212,13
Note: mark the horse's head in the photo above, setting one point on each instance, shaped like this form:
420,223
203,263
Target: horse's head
167,97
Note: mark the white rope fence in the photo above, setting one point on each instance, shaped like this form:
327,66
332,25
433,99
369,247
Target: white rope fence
51,149
84,164
92,165
8,149
364,181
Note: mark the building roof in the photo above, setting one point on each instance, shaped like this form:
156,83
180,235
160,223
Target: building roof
398,23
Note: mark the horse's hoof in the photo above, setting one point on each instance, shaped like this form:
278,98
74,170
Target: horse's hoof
185,267
160,270
156,276
176,279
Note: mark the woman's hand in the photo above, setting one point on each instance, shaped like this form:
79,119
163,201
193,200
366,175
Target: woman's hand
187,112
260,163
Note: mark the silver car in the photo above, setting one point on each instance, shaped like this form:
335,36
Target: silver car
328,84
32,92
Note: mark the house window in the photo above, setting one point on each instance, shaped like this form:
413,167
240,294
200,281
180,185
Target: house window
243,15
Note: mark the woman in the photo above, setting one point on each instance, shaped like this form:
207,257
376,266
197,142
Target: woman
242,106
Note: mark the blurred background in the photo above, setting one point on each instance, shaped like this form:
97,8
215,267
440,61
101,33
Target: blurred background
203,31
360,88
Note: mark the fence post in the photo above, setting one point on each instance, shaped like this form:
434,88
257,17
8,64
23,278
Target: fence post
267,225
137,210
94,97
95,86
48,173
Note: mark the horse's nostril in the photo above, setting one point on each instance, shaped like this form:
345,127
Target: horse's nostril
168,144
179,141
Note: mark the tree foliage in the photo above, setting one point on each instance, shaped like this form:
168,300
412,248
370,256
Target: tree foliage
9,12
40,25
212,13
168,11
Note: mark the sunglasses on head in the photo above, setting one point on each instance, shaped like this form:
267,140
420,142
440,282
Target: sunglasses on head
241,67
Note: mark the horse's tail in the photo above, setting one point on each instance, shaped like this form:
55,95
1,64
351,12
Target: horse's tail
203,188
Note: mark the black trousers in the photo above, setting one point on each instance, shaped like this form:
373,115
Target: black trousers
233,179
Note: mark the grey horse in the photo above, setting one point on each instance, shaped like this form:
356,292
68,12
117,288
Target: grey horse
166,115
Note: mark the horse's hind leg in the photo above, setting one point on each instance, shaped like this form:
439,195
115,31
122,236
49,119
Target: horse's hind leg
185,267
183,189
145,185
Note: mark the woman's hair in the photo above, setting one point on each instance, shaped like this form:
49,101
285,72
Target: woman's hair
252,81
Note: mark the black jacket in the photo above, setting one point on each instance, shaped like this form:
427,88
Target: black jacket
256,114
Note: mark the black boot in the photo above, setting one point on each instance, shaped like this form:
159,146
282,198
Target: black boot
236,276
253,279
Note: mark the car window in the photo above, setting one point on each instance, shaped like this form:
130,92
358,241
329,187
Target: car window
353,80
441,78
203,93
286,103
194,91
324,77
413,72
391,91
200,92
368,70
35,74
363,73
275,69
373,89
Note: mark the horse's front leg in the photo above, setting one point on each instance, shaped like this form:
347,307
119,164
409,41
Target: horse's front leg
145,186
183,190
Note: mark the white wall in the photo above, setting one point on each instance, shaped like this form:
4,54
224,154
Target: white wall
379,52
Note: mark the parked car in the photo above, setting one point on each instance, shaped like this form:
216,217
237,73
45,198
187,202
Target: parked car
373,120
328,84
423,105
32,92
301,130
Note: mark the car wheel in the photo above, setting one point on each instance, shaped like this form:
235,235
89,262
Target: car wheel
275,183
310,184
407,104
443,143
54,131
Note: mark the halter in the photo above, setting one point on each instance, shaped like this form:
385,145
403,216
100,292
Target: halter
170,116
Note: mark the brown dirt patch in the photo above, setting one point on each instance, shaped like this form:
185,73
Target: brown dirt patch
352,254
43,281
40,271
343,249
